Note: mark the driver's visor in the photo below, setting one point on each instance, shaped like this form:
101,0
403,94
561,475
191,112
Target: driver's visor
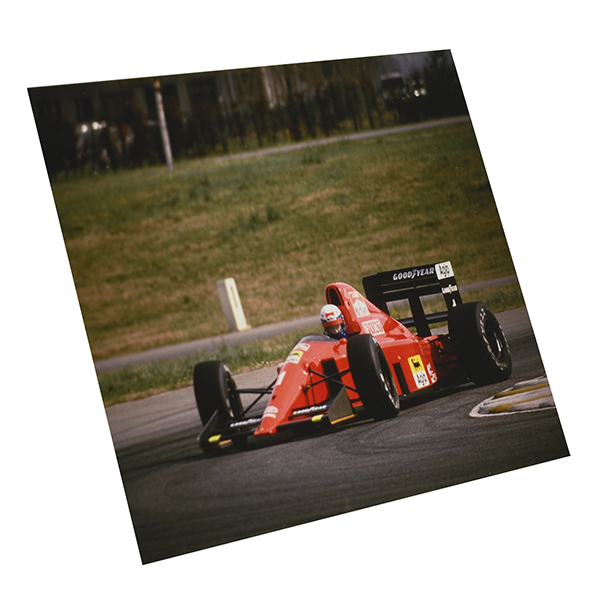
334,327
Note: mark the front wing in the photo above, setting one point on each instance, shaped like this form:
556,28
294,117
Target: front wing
220,433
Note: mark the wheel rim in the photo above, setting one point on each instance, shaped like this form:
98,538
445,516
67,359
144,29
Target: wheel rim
387,381
494,341
233,401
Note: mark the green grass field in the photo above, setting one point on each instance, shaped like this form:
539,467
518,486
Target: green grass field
147,247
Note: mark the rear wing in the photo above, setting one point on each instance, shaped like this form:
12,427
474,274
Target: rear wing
412,284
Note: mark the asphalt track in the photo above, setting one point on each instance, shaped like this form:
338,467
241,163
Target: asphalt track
182,501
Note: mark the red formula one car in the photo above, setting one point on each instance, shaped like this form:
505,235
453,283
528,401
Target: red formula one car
326,381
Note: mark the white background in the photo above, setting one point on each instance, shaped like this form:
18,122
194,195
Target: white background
528,71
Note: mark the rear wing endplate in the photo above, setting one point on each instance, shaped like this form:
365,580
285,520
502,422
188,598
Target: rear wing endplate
412,284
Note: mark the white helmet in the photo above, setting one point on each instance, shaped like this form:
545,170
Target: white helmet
333,321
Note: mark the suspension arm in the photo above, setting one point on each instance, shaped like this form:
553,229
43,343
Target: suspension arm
336,377
260,391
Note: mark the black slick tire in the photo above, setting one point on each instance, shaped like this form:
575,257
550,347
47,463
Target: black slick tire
373,377
215,390
479,343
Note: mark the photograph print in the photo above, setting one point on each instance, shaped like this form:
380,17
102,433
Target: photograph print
297,291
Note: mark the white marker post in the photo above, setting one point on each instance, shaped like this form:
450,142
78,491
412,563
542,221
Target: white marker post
232,307
164,132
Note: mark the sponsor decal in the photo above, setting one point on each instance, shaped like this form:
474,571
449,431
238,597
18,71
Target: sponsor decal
308,410
253,421
432,374
418,371
280,378
270,412
294,357
416,364
296,354
444,270
413,273
449,289
374,327
328,316
358,304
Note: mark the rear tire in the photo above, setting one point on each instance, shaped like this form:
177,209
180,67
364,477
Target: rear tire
479,343
373,377
215,390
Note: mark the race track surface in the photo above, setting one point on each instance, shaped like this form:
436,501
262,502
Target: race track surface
182,501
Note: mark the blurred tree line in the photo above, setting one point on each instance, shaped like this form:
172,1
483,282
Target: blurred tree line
232,111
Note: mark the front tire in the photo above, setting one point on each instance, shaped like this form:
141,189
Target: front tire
373,377
215,390
479,343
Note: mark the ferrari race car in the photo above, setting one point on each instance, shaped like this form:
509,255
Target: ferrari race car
329,382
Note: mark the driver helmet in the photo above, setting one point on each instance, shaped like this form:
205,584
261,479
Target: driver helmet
333,322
